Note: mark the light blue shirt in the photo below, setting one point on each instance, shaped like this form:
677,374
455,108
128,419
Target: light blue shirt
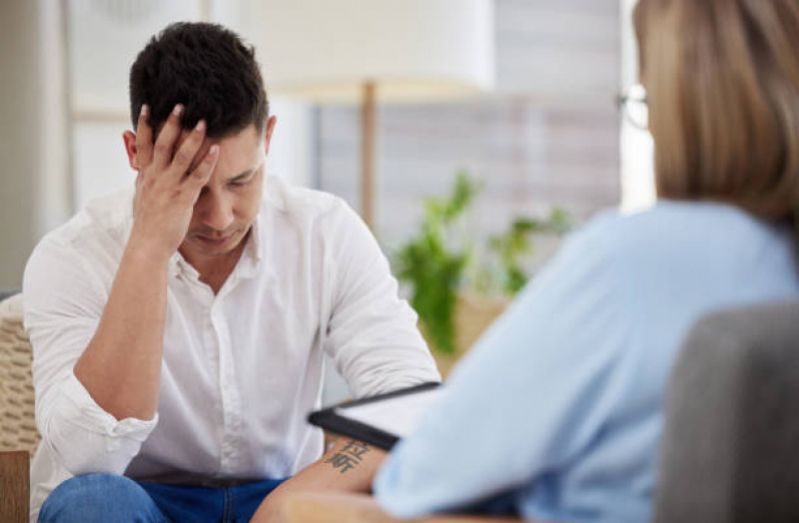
560,401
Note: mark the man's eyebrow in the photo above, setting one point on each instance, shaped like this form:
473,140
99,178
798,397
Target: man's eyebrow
243,175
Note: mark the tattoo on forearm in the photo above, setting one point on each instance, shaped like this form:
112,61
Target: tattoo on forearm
348,457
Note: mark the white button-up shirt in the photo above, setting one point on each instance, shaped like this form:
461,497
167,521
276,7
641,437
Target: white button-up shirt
241,369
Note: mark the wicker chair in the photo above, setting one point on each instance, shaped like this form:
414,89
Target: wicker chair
18,435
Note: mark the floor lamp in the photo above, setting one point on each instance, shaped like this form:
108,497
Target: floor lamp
376,51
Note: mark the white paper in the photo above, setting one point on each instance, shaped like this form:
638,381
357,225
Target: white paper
398,416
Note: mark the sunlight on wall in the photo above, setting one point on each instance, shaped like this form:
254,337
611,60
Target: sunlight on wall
637,171
637,148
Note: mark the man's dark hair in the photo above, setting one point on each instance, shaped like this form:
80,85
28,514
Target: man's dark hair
209,70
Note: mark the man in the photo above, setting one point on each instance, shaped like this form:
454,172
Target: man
179,329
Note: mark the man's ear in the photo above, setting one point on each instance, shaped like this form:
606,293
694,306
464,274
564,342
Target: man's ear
270,127
130,148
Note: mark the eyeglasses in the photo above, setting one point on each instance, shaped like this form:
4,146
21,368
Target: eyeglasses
632,102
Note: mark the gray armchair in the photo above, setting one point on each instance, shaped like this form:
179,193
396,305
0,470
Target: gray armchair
730,450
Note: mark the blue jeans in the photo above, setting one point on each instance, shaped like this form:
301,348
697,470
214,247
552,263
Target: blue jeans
106,497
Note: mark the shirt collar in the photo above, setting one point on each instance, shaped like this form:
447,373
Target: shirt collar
253,252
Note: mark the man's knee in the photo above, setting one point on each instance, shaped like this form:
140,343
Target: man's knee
99,497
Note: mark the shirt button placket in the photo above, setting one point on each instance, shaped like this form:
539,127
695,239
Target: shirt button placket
231,403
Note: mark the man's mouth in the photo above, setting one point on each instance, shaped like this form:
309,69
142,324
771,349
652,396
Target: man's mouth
215,240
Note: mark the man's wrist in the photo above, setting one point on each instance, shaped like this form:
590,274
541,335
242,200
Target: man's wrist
147,251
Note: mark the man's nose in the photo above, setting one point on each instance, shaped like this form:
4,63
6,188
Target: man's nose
214,211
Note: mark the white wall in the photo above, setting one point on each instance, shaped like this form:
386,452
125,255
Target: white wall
104,44
292,151
55,192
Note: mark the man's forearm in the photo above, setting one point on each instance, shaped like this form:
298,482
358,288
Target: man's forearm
121,367
350,466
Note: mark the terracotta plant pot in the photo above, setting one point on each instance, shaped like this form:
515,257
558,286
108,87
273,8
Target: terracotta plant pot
473,315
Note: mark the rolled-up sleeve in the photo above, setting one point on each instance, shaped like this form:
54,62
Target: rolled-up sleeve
64,298
372,335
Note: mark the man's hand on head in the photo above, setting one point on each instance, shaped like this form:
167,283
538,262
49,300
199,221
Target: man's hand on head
121,365
167,186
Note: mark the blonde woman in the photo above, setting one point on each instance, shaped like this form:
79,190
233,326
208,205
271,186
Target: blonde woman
556,413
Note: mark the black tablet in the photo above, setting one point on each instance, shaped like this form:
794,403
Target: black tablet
380,420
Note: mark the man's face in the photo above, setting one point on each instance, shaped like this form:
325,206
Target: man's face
230,201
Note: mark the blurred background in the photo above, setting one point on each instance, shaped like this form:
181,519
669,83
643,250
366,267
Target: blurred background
493,127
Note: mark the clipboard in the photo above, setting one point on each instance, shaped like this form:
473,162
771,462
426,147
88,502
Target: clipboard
380,420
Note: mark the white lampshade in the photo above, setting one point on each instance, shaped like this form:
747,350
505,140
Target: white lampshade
411,50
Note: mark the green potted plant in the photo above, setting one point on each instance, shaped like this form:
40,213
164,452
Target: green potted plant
434,267
456,294
515,244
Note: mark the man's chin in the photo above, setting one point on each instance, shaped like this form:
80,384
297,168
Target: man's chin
204,251
208,247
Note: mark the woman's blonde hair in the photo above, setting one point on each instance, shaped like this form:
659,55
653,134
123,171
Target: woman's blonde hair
722,80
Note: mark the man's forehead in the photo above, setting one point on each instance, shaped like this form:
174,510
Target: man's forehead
238,152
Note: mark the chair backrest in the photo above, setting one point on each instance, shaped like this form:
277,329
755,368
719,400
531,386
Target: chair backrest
730,449
7,293
17,424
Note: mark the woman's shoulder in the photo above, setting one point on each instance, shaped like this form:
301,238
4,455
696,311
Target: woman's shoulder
681,245
679,224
